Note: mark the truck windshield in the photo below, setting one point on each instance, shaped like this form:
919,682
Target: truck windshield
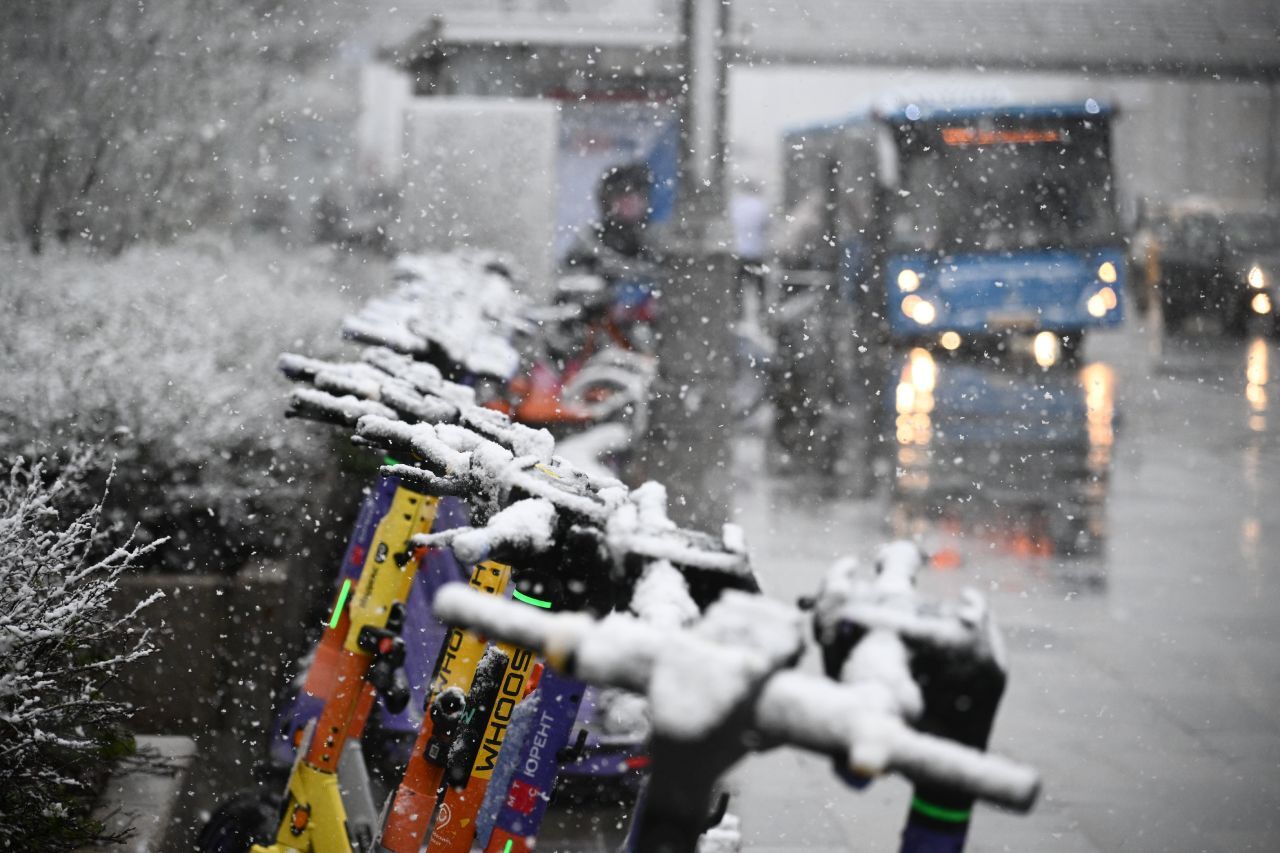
987,186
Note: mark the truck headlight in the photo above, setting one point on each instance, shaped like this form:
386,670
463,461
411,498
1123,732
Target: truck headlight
908,280
919,310
1107,273
1046,348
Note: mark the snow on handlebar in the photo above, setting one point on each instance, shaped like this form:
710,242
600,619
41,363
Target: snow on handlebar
889,605
790,707
457,448
528,525
456,308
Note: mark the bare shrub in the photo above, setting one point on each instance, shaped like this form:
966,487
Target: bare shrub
59,645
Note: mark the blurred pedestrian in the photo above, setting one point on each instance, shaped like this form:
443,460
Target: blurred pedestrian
749,215
615,245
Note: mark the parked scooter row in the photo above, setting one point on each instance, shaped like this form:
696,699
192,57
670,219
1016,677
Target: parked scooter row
555,557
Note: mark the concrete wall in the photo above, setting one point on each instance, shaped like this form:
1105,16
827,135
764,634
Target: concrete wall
481,172
385,92
223,644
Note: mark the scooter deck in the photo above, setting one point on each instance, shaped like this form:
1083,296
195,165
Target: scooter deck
537,764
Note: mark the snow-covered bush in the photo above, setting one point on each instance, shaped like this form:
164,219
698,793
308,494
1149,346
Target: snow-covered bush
165,358
60,642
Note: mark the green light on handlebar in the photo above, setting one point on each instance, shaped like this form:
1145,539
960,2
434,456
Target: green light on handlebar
938,812
529,599
342,600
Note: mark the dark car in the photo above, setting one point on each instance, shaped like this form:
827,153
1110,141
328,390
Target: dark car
1222,264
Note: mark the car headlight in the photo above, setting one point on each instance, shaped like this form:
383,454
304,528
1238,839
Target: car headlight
1256,277
908,280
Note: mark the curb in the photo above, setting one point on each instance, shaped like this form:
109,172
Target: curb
143,795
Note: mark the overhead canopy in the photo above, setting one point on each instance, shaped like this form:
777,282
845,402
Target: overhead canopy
1198,38
1203,38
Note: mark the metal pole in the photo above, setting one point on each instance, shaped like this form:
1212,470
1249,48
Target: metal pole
1272,134
689,443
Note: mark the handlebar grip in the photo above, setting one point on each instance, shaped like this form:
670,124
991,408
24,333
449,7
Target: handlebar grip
519,624
396,696
390,683
837,719
925,758
526,526
346,411
424,481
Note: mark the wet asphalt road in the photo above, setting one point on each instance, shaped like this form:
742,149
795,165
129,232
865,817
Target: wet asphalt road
1145,677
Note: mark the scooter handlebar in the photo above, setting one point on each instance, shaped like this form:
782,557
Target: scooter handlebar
830,717
792,707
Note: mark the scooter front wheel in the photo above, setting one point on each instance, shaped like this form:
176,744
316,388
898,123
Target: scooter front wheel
248,818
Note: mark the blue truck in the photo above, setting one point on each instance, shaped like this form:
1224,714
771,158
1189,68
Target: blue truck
979,229
975,220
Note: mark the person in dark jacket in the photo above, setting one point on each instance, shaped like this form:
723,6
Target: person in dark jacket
615,246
